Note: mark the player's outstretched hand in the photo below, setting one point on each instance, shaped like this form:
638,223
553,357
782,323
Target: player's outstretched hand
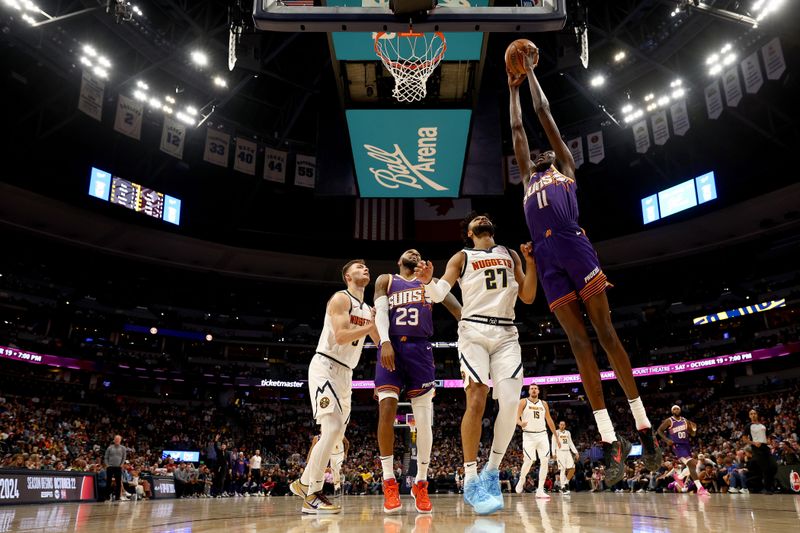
424,271
532,59
387,356
514,80
527,251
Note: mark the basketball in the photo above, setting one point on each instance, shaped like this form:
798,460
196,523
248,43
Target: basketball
515,55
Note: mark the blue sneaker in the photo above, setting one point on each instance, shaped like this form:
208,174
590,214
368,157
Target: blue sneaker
491,483
476,496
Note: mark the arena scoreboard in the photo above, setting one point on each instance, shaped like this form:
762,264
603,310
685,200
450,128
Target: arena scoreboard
679,197
134,196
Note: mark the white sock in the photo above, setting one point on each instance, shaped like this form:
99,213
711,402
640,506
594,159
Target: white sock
388,467
605,426
423,415
639,415
470,471
698,484
562,477
337,458
331,431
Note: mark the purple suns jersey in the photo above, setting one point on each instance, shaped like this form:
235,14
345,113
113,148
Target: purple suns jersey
550,203
410,312
679,431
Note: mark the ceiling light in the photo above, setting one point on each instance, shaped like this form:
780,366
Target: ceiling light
153,331
676,83
29,19
663,100
678,93
155,102
137,10
649,97
220,81
169,99
713,58
730,58
140,95
725,48
104,61
183,117
715,69
199,58
191,110
619,56
89,50
167,109
209,337
627,109
85,60
598,80
100,72
142,85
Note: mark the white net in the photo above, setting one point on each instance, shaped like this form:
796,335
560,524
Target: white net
411,58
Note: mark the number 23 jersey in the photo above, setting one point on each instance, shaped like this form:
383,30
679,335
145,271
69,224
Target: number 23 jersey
488,285
410,311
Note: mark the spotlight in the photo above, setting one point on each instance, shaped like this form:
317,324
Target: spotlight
725,48
142,85
678,93
713,58
649,97
627,109
598,80
183,117
137,10
715,69
209,337
104,61
85,60
29,19
155,102
167,109
619,56
100,72
153,331
169,99
140,95
663,100
651,107
199,58
89,50
730,58
676,83
220,81
191,110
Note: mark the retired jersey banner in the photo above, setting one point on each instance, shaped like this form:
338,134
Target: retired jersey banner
129,117
747,310
733,89
713,100
660,127
275,165
217,146
512,170
244,158
90,100
173,137
597,151
576,149
773,59
305,171
751,70
406,153
680,117
641,136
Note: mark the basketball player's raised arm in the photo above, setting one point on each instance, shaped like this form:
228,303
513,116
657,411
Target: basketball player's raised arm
664,425
550,422
522,151
692,428
339,309
382,322
520,410
438,289
566,164
527,281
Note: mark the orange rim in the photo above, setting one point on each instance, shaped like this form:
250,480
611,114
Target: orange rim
412,67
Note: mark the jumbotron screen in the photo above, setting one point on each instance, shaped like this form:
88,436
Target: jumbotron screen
134,196
679,197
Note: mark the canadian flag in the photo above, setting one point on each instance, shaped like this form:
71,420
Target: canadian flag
439,219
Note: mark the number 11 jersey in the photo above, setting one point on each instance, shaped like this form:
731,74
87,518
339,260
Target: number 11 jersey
488,286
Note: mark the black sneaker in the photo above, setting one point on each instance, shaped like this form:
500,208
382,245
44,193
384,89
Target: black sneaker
652,456
614,456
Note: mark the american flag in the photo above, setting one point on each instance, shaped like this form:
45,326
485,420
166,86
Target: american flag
379,219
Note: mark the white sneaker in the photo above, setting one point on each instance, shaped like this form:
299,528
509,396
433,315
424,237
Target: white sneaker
733,490
518,489
744,491
542,495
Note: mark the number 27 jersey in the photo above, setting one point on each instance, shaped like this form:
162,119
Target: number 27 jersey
410,311
488,285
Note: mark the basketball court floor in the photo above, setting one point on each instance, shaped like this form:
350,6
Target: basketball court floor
578,512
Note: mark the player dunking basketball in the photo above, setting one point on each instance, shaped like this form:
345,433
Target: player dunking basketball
404,320
491,280
348,320
680,430
570,271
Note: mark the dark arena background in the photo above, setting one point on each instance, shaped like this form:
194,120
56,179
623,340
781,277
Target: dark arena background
182,183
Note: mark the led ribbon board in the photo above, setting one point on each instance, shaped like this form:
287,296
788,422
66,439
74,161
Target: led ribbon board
733,313
360,46
409,153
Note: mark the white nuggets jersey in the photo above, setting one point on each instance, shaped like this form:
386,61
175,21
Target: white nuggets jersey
488,286
565,437
345,354
534,416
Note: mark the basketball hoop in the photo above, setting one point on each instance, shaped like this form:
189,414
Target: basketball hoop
410,57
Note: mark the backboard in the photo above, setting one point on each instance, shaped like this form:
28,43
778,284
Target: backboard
375,15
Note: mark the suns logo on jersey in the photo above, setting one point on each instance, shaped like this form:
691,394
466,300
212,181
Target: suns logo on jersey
550,177
406,297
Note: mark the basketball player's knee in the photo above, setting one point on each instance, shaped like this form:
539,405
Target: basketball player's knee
607,335
332,425
508,393
476,397
387,409
423,401
581,345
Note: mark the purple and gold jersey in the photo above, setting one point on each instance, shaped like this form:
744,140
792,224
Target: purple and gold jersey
679,430
550,203
410,312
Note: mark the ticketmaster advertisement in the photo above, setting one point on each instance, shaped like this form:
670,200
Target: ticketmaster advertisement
409,153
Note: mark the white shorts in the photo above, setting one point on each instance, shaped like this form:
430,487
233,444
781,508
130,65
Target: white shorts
565,460
486,351
330,386
536,445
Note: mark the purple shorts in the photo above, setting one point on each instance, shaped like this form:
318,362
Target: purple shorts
683,451
414,370
568,267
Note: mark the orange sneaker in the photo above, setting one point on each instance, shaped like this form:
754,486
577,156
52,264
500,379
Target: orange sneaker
420,493
391,496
